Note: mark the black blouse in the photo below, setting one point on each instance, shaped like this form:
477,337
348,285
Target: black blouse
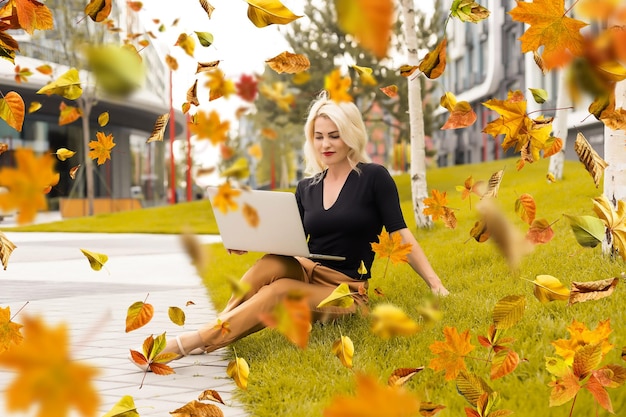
367,202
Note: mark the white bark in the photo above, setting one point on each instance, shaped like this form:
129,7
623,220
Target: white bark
615,154
419,186
563,102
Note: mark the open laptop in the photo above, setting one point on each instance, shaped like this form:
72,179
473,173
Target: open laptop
279,229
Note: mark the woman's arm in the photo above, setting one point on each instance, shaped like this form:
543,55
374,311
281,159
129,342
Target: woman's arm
420,264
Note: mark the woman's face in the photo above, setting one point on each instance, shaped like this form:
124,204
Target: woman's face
332,150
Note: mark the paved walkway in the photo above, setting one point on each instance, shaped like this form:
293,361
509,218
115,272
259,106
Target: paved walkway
48,271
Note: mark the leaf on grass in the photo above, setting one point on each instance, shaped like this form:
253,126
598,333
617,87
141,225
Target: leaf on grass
67,86
101,147
292,318
389,321
594,164
340,297
125,407
6,248
211,395
494,184
290,63
391,246
508,311
593,290
239,370
12,109
197,409
159,128
96,260
343,348
526,208
176,315
47,377
471,387
369,21
434,63
504,362
450,354
9,331
540,231
589,231
373,399
400,376
263,13
139,314
549,288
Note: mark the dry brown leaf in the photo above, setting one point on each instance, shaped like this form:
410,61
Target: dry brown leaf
159,128
594,164
594,290
289,63
6,247
494,184
73,171
206,66
401,375
208,8
210,395
197,409
3,148
250,215
192,94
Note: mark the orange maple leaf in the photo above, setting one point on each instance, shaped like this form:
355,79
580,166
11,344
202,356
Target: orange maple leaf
209,126
224,200
391,246
338,86
279,94
219,85
373,399
27,183
551,28
451,353
54,381
101,149
581,336
292,318
436,205
9,331
369,21
470,187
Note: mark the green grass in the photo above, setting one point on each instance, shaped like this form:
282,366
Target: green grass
287,381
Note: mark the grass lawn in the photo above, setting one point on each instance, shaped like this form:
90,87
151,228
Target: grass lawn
288,381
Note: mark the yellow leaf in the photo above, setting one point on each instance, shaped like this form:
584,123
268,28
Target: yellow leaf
436,204
581,336
45,69
26,184
343,348
209,126
187,43
340,297
508,311
238,169
614,220
96,260
494,184
64,153
391,246
159,128
98,10
549,288
6,248
434,63
287,62
369,21
171,62
362,269
219,85
119,70
206,66
239,370
125,407
67,86
373,399
55,383
223,327
390,91
269,12
10,335
337,86
176,315
101,149
12,110
255,151
224,200
205,38
539,95
34,106
365,74
103,118
197,409
138,315
388,321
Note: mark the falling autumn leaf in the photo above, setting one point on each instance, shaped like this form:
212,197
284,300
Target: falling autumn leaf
12,110
238,169
208,8
539,95
247,88
103,119
68,114
211,395
98,10
594,164
373,399
6,248
206,66
22,74
400,376
218,85
67,86
159,128
540,231
343,348
197,409
176,315
470,187
125,407
101,148
508,311
225,197
461,112
493,185
138,315
471,386
26,184
73,171
391,246
550,28
468,11
434,63
45,69
338,86
580,336
239,370
223,327
278,93
290,63
436,204
451,353
205,38
365,75
614,220
209,126
263,13
408,70
526,208
152,356
292,318
390,91
192,94
9,331
64,153
51,382
339,297
250,215
389,321
369,21
593,290
34,106
187,43
96,260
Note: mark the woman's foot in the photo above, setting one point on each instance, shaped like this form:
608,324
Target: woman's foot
178,346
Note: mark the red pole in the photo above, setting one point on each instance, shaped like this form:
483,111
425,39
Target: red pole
189,188
172,136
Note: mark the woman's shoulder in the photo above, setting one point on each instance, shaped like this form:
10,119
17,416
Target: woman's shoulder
372,168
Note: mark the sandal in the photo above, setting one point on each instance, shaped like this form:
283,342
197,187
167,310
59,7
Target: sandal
196,351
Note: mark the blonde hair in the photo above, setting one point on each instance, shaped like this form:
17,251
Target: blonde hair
349,121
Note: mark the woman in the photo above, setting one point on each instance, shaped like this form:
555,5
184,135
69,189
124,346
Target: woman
343,204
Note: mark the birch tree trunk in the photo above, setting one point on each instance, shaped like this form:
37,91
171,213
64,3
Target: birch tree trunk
419,186
563,102
615,154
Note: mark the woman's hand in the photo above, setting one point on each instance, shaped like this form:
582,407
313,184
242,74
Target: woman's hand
236,252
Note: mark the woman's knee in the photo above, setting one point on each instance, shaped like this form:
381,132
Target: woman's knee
278,266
